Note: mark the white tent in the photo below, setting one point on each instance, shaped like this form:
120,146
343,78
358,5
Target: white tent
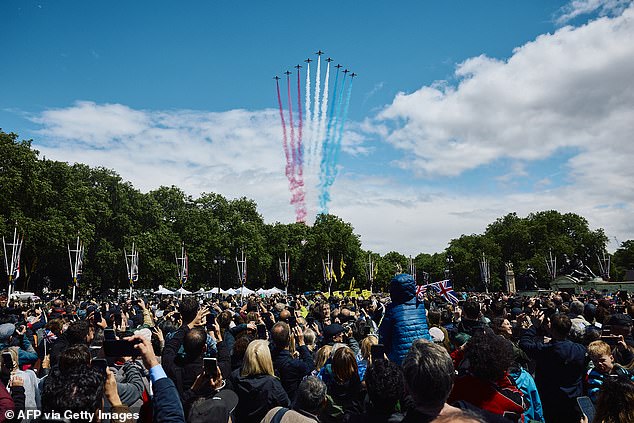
163,291
200,291
261,291
274,291
215,291
243,291
182,291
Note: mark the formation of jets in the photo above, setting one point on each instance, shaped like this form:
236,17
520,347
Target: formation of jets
318,53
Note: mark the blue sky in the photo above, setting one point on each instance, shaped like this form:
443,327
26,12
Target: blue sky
462,111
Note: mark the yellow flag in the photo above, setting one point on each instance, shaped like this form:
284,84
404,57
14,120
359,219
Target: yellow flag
342,266
327,269
352,282
376,268
333,274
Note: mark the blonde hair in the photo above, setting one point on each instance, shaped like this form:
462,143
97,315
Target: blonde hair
323,354
257,359
14,355
598,348
366,346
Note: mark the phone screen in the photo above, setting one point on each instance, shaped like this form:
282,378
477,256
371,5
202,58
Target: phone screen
378,352
261,331
108,335
120,348
7,360
100,364
587,407
292,321
611,340
211,366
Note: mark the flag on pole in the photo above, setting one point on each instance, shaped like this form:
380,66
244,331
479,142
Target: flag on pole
342,265
352,282
445,289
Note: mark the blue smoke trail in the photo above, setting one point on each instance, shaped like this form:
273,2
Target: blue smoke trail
330,170
327,139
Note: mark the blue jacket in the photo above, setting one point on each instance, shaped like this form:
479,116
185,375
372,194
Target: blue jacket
526,384
167,407
405,320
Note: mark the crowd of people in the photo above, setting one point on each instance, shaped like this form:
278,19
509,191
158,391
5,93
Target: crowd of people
396,357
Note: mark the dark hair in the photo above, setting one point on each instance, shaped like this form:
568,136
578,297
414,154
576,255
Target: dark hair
429,373
188,308
615,403
433,317
194,342
77,332
280,335
471,309
311,394
489,356
73,357
79,390
385,384
496,324
560,324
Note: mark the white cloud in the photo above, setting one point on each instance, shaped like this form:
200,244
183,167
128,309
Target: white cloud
568,90
583,7
572,89
235,153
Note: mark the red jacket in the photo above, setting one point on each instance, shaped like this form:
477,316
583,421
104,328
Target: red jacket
6,402
501,397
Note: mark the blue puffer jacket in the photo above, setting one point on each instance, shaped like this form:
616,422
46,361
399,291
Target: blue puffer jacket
405,320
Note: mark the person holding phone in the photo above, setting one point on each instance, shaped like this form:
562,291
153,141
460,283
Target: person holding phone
26,352
290,370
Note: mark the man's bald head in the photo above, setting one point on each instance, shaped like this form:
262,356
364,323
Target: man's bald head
285,315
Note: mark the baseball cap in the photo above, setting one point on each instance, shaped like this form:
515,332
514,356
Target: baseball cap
215,409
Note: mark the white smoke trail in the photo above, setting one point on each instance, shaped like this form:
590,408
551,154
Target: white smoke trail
323,116
308,117
315,116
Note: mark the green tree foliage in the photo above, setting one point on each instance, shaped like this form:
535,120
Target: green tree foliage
623,259
54,202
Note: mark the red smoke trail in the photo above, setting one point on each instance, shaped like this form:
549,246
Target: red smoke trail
288,171
300,148
290,121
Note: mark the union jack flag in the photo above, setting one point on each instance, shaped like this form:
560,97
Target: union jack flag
445,289
420,292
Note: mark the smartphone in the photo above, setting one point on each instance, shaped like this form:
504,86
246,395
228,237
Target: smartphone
100,364
587,408
261,331
210,366
108,335
7,360
378,352
292,321
118,320
367,330
97,316
611,340
120,348
177,316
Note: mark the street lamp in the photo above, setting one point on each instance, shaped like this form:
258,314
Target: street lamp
219,260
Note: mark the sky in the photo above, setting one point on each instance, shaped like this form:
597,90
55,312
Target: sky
462,112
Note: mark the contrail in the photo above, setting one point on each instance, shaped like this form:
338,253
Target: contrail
327,139
330,164
300,150
308,112
315,114
290,121
288,171
322,121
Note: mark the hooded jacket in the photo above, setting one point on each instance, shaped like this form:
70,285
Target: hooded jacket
257,395
405,320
